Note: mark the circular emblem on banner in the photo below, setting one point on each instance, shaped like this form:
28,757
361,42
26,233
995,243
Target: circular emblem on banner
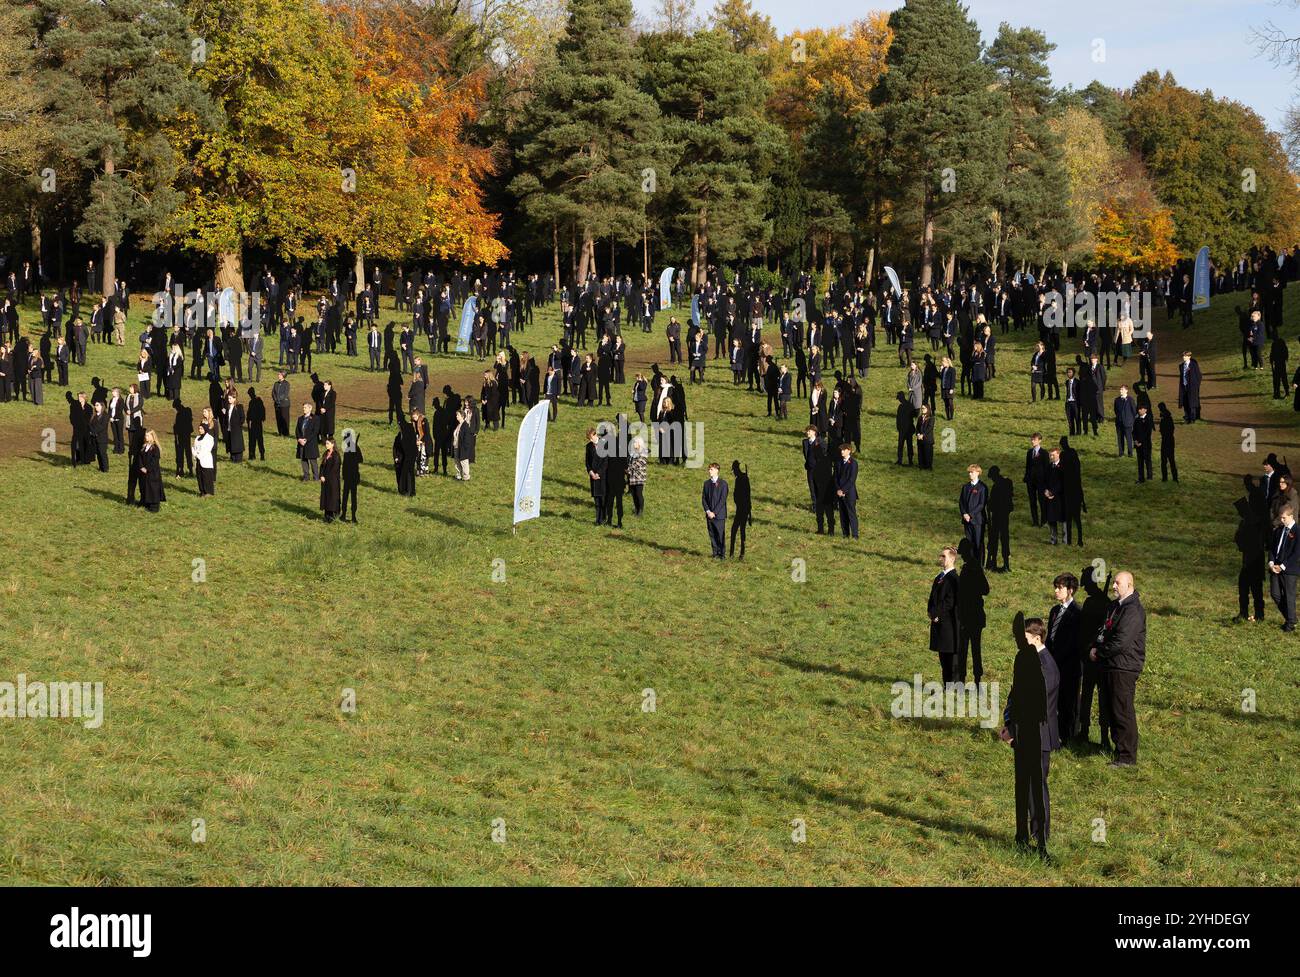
527,503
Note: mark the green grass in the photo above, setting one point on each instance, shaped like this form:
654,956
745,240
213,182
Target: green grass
521,699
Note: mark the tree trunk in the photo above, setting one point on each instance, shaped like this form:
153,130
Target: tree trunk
927,242
361,270
36,237
950,270
555,250
587,257
230,270
108,266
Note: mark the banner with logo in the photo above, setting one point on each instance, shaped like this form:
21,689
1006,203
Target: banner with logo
666,288
893,280
1201,281
529,455
466,324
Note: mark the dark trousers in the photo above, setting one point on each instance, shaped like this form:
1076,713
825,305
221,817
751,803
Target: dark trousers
1281,587
738,525
975,533
1034,497
971,640
947,664
1091,679
1168,464
349,494
848,517
999,534
282,420
256,443
1250,586
101,453
717,536
1145,471
1119,690
117,427
638,497
1072,416
1033,806
184,456
904,439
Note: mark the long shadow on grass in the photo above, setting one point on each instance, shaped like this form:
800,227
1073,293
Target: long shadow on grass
661,547
296,509
811,791
838,671
448,520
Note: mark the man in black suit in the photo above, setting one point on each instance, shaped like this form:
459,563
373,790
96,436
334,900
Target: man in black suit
1143,430
1189,388
846,491
308,450
974,495
1063,643
942,612
1035,474
1031,729
1120,650
714,501
1284,566
813,449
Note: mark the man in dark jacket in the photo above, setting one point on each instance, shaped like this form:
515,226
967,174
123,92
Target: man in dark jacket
1120,649
942,611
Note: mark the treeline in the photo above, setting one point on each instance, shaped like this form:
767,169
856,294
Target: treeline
569,137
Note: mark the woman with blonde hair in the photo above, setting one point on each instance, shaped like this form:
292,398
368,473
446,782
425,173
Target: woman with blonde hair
149,464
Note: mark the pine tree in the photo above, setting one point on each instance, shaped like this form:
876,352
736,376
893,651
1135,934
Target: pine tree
939,113
117,71
712,100
591,149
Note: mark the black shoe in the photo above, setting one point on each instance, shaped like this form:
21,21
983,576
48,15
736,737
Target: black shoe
1121,763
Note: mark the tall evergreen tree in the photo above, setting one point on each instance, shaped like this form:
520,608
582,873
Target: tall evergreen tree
712,100
117,72
938,103
591,148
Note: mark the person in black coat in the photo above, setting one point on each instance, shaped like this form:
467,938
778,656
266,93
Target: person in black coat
98,427
1143,431
825,500
713,499
1073,505
234,428
79,417
941,609
150,466
308,450
183,434
331,501
405,455
351,467
597,467
1031,728
1189,388
256,416
744,507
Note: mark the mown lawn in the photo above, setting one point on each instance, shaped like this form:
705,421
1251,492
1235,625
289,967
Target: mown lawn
522,699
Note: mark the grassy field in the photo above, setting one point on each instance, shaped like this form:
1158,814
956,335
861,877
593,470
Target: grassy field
521,699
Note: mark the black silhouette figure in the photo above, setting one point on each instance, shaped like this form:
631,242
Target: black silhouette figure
1001,502
1030,719
740,497
972,588
1092,615
352,459
1250,535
